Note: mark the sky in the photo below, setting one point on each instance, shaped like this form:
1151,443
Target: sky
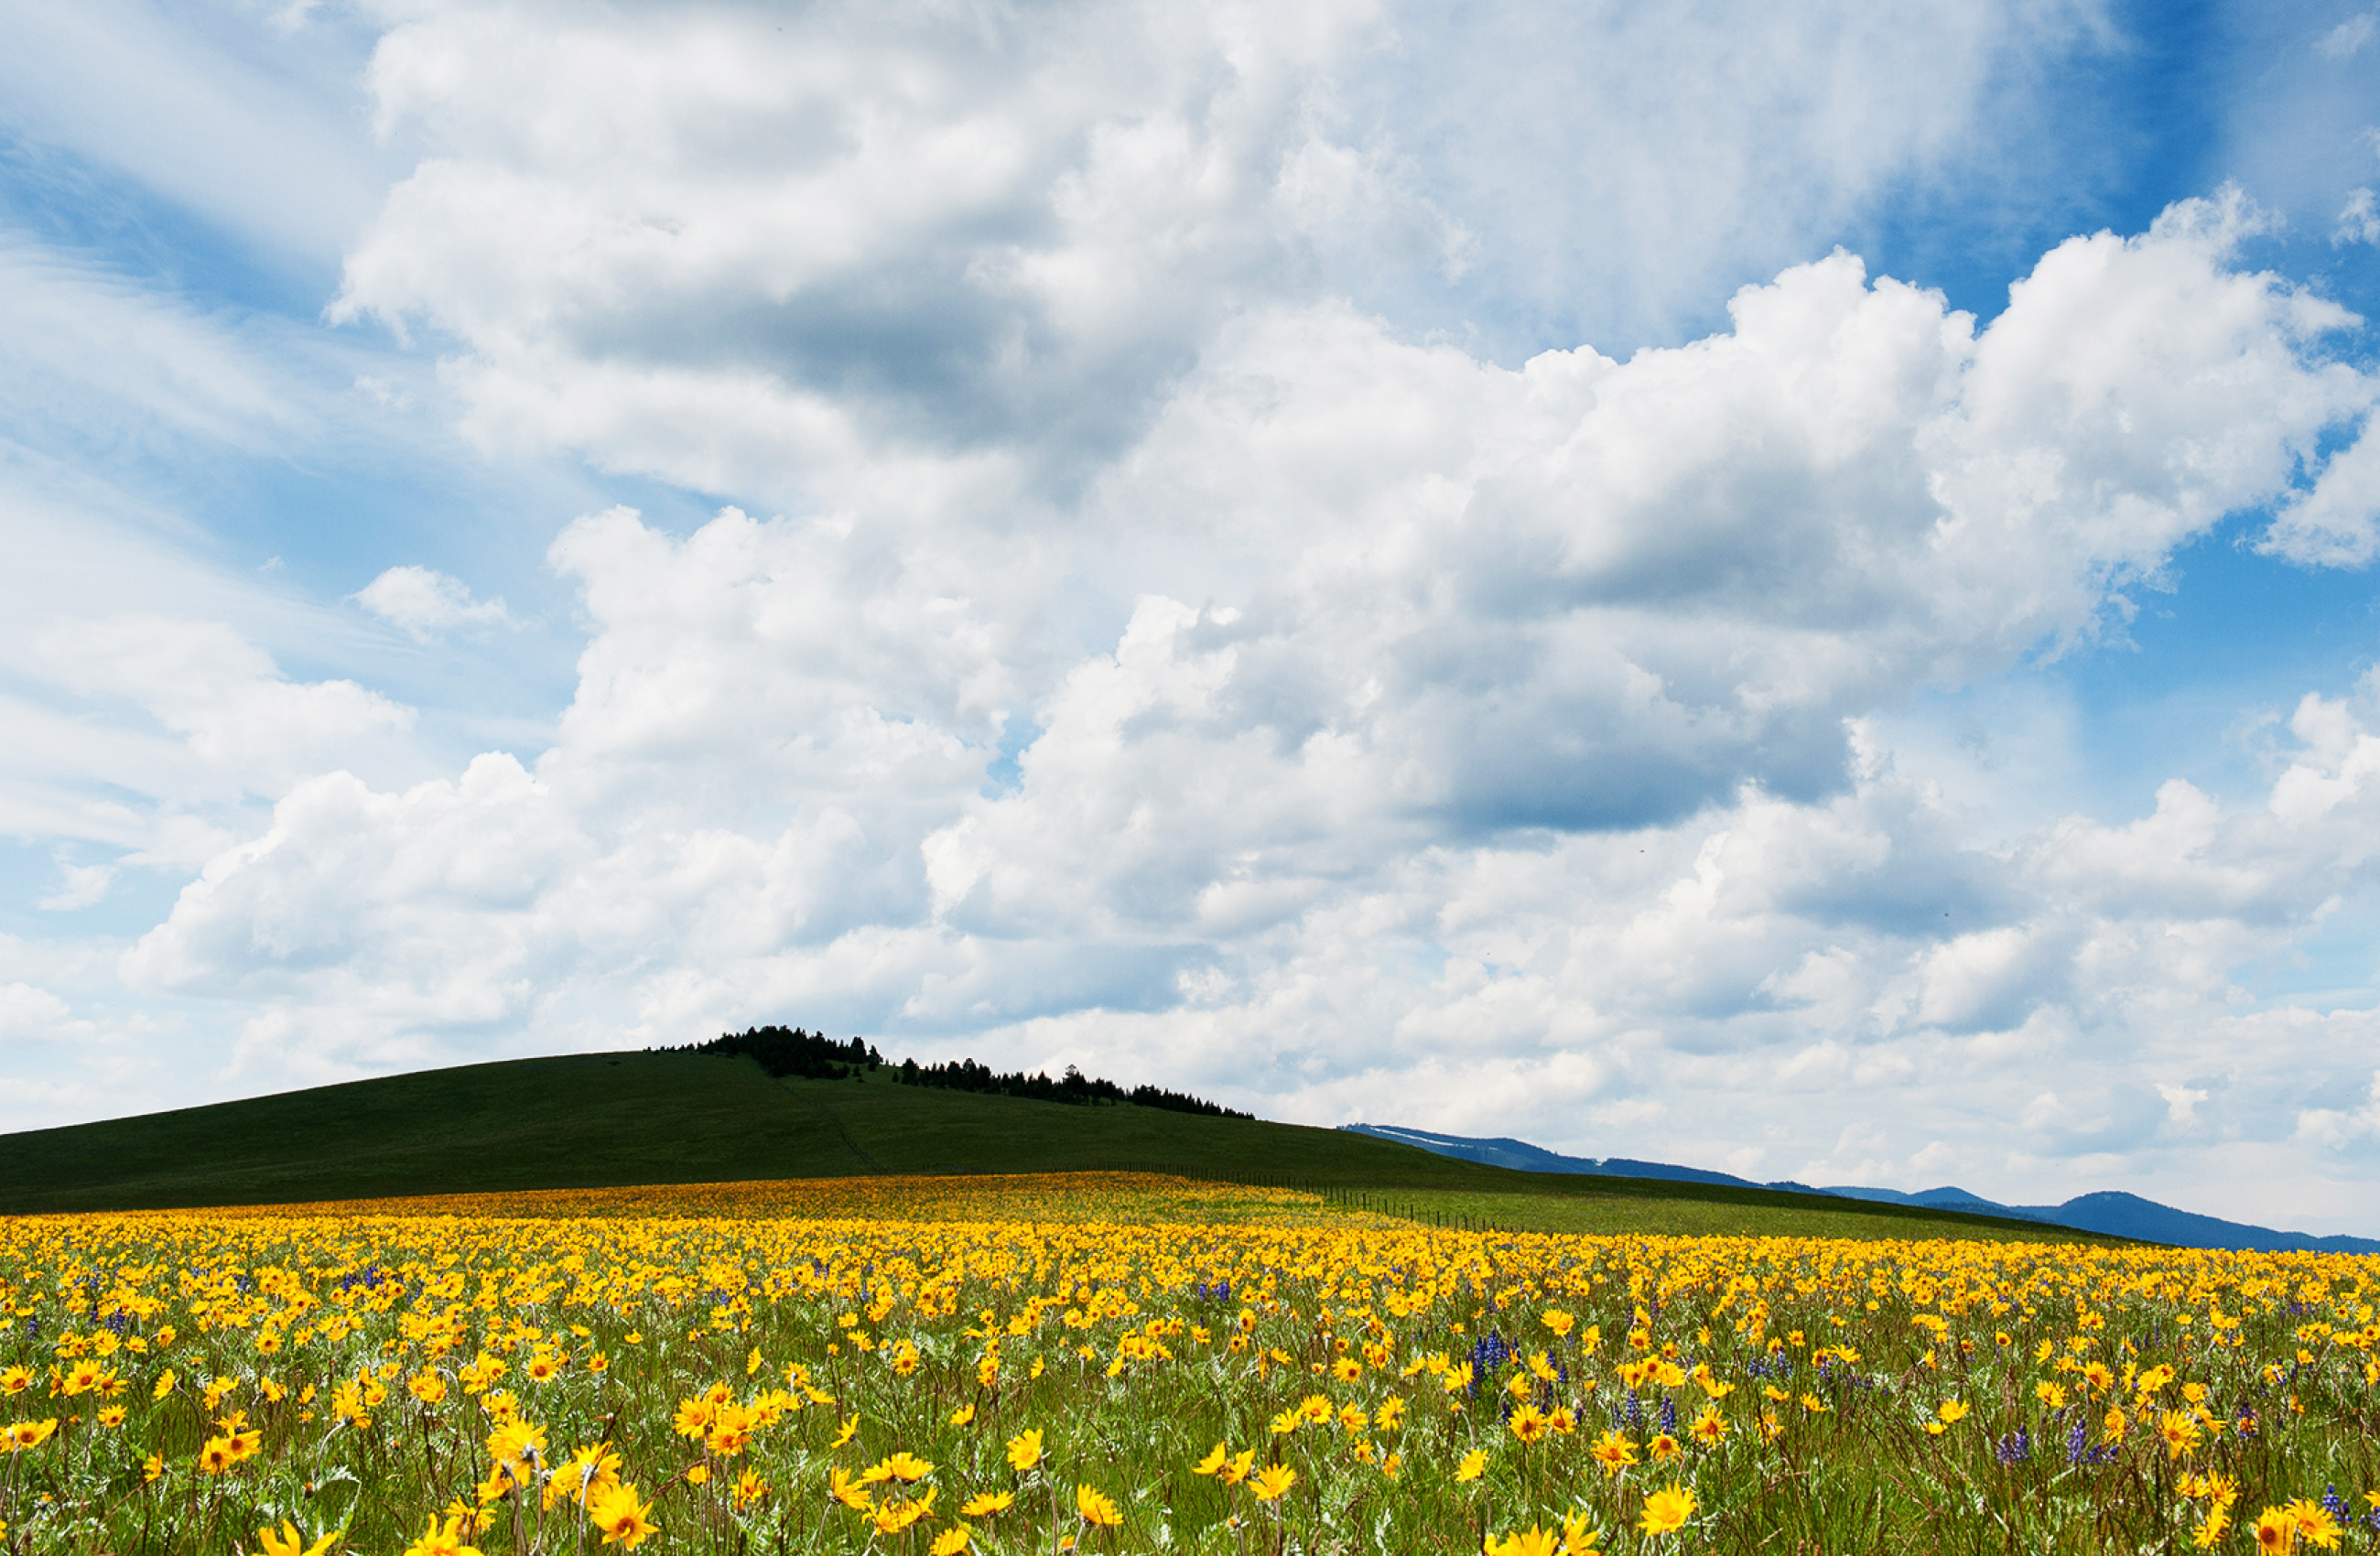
1788,589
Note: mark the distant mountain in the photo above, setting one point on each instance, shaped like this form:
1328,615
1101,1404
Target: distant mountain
2129,1215
1944,1198
2120,1215
1524,1157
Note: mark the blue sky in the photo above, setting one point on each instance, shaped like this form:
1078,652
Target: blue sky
1791,593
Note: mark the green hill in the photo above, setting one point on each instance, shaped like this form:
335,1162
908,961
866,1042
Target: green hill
610,1119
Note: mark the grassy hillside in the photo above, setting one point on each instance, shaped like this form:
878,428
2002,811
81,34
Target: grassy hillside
604,1120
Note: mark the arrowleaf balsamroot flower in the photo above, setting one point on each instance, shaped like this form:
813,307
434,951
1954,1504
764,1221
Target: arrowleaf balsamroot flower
626,1522
24,1435
1613,1452
2316,1525
289,1542
2275,1529
2179,1430
1666,1510
1272,1481
1024,1449
906,1467
892,1518
445,1540
1096,1508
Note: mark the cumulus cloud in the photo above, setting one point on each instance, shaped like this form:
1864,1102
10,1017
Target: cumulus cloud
2335,522
2338,1128
223,696
764,257
28,1012
1481,746
2182,1104
425,604
1623,168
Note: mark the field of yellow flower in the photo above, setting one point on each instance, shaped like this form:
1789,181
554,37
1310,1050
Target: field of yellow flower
1104,1363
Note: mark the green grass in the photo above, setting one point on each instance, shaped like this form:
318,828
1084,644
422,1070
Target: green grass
1649,1206
585,1121
595,1121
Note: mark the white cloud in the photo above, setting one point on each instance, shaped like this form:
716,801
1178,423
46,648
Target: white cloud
1989,980
1624,167
29,1013
111,361
243,126
2336,522
80,886
2336,1128
2359,219
426,604
1865,1155
346,879
121,399
223,695
2347,40
827,256
1348,808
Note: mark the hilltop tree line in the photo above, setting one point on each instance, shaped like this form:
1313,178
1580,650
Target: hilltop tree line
810,1055
814,1056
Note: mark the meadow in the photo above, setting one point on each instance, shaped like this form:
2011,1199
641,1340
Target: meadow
1104,1363
598,1121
